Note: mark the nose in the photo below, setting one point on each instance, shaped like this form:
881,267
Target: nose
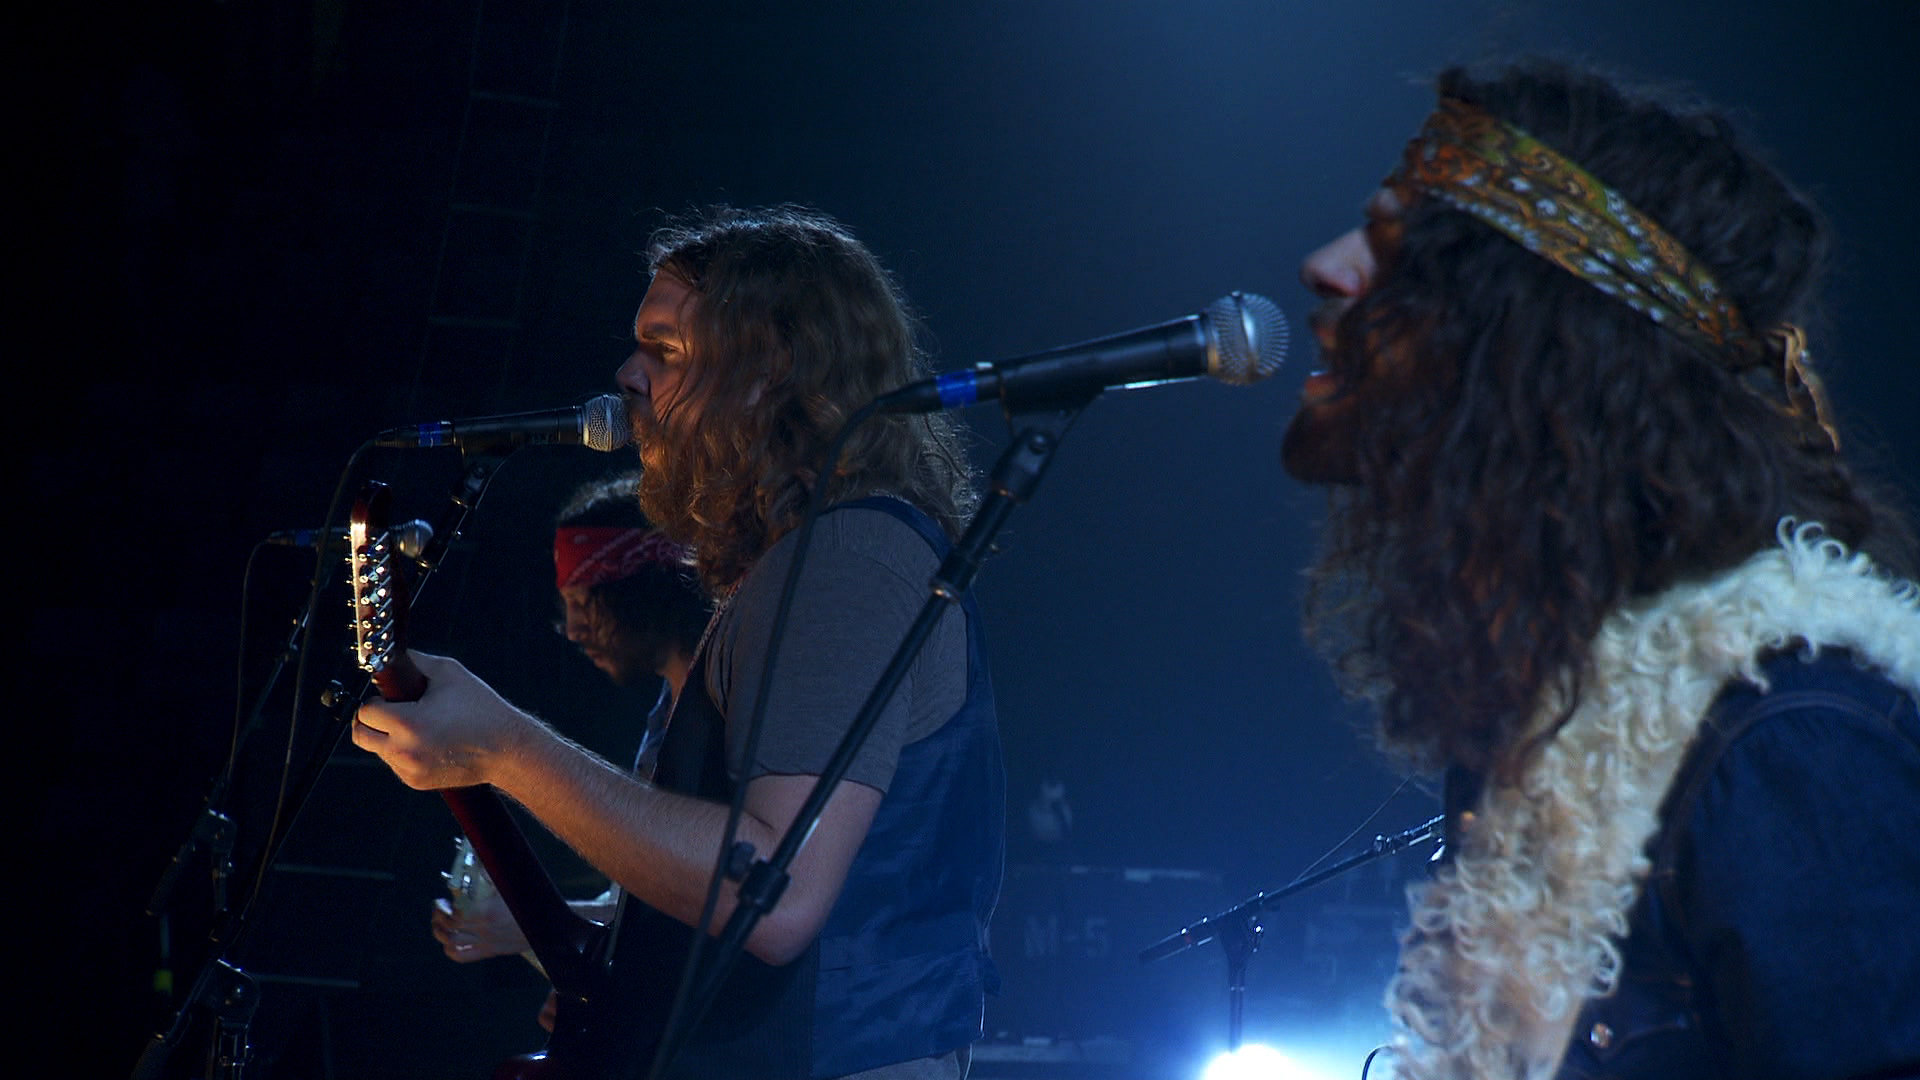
1342,269
574,621
632,374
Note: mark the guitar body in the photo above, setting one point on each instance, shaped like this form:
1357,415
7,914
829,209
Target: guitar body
570,1052
614,1034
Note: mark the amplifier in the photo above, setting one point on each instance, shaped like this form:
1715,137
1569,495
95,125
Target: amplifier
1067,941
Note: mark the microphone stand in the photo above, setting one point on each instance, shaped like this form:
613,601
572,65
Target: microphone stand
1013,482
1238,928
212,828
225,989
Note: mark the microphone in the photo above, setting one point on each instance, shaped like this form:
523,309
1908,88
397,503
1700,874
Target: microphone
599,424
1239,339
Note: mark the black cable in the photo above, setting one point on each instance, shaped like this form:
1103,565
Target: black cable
318,585
228,772
1347,839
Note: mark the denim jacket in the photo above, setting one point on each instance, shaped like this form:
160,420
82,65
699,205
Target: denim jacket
1778,933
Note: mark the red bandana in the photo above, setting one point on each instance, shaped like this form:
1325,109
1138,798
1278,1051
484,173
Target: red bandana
592,555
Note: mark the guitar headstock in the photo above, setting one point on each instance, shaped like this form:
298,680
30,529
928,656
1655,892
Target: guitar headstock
379,577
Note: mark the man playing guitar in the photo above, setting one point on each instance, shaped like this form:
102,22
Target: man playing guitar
761,333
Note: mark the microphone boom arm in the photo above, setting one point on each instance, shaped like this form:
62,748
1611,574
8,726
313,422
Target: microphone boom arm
1238,928
1206,929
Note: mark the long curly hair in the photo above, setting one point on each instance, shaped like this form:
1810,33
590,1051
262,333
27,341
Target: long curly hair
795,326
1532,452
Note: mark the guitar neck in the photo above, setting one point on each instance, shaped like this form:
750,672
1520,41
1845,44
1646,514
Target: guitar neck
558,936
381,580
400,680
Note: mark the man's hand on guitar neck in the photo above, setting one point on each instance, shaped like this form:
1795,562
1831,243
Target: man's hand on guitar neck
450,737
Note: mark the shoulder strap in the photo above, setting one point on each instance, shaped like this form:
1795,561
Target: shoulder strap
914,517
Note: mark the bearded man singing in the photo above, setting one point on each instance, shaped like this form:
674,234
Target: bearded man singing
761,333
1597,556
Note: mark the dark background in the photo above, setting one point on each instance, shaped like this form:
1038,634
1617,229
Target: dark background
257,232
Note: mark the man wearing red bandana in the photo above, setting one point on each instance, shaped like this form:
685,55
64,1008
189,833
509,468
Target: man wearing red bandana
1595,553
630,599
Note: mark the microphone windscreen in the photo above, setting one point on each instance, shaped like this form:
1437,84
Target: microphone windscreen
604,424
1251,336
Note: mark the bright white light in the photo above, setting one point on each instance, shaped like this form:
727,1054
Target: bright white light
1254,1061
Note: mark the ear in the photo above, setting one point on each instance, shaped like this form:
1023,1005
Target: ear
782,361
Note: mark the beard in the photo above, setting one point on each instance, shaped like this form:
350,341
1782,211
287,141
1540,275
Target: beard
630,659
625,654
666,488
700,485
1320,441
1371,376
1319,446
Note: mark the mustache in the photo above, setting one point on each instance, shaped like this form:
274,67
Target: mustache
639,407
646,427
1326,316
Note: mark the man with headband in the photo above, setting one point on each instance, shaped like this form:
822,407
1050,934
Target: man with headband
631,604
630,599
1597,558
761,334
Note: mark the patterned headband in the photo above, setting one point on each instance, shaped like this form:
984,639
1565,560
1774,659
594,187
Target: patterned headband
589,555
1496,172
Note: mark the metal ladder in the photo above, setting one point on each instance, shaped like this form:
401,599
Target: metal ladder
476,302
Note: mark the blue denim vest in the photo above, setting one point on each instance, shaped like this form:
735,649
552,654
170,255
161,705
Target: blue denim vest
901,969
1721,975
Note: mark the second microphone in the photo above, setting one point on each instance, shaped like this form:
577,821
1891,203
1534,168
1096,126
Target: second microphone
1239,339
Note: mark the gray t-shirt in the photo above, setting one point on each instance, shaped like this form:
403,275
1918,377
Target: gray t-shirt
864,582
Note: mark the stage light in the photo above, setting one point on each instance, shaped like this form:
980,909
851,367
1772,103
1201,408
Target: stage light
1256,1061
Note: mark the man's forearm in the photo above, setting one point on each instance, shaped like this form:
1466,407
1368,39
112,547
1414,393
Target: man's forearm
657,845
